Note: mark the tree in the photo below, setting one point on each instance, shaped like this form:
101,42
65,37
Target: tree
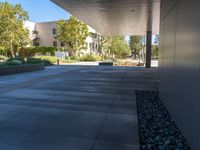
156,39
72,33
155,51
136,45
104,42
155,47
12,31
119,47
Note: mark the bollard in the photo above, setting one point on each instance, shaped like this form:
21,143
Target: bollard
58,62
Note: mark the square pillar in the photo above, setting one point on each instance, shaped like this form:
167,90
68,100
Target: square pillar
148,48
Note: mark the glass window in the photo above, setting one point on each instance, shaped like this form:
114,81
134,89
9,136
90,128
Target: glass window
54,31
55,43
36,44
62,44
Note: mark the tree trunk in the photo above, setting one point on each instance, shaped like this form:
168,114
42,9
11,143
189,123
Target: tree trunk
11,50
134,53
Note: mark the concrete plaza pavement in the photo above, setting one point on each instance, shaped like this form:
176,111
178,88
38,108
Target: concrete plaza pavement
72,108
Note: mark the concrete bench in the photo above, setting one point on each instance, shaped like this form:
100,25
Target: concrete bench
105,63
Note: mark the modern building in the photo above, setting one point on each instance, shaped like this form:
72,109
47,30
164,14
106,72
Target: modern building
43,34
179,67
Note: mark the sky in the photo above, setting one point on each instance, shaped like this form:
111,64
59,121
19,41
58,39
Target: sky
41,10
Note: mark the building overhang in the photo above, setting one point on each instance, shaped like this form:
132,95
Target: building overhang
116,17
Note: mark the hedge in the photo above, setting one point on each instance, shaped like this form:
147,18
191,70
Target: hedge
92,57
50,60
31,51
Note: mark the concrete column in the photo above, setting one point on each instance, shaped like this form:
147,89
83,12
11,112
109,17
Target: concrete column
148,48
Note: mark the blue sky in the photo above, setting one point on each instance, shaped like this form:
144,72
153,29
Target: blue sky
41,10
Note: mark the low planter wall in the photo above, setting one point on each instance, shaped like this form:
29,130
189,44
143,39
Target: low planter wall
21,69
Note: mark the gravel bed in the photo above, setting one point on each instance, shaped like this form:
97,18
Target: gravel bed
156,128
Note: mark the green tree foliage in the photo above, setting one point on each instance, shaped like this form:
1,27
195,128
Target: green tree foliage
72,33
155,47
119,47
12,32
155,51
105,43
156,40
136,45
31,51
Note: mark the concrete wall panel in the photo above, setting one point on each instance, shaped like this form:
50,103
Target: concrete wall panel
180,66
168,51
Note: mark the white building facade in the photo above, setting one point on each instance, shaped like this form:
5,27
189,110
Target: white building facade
43,34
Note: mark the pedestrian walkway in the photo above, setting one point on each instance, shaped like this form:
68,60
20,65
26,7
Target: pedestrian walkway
72,108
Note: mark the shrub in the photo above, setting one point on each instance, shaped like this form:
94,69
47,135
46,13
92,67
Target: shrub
127,63
2,50
70,61
13,63
50,60
34,61
28,61
17,58
92,57
3,57
74,58
47,60
2,65
44,50
31,51
26,52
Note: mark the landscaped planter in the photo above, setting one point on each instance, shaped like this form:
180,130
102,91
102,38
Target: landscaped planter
157,130
105,63
21,69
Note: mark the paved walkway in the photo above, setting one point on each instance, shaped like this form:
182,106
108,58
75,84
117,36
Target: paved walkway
72,108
